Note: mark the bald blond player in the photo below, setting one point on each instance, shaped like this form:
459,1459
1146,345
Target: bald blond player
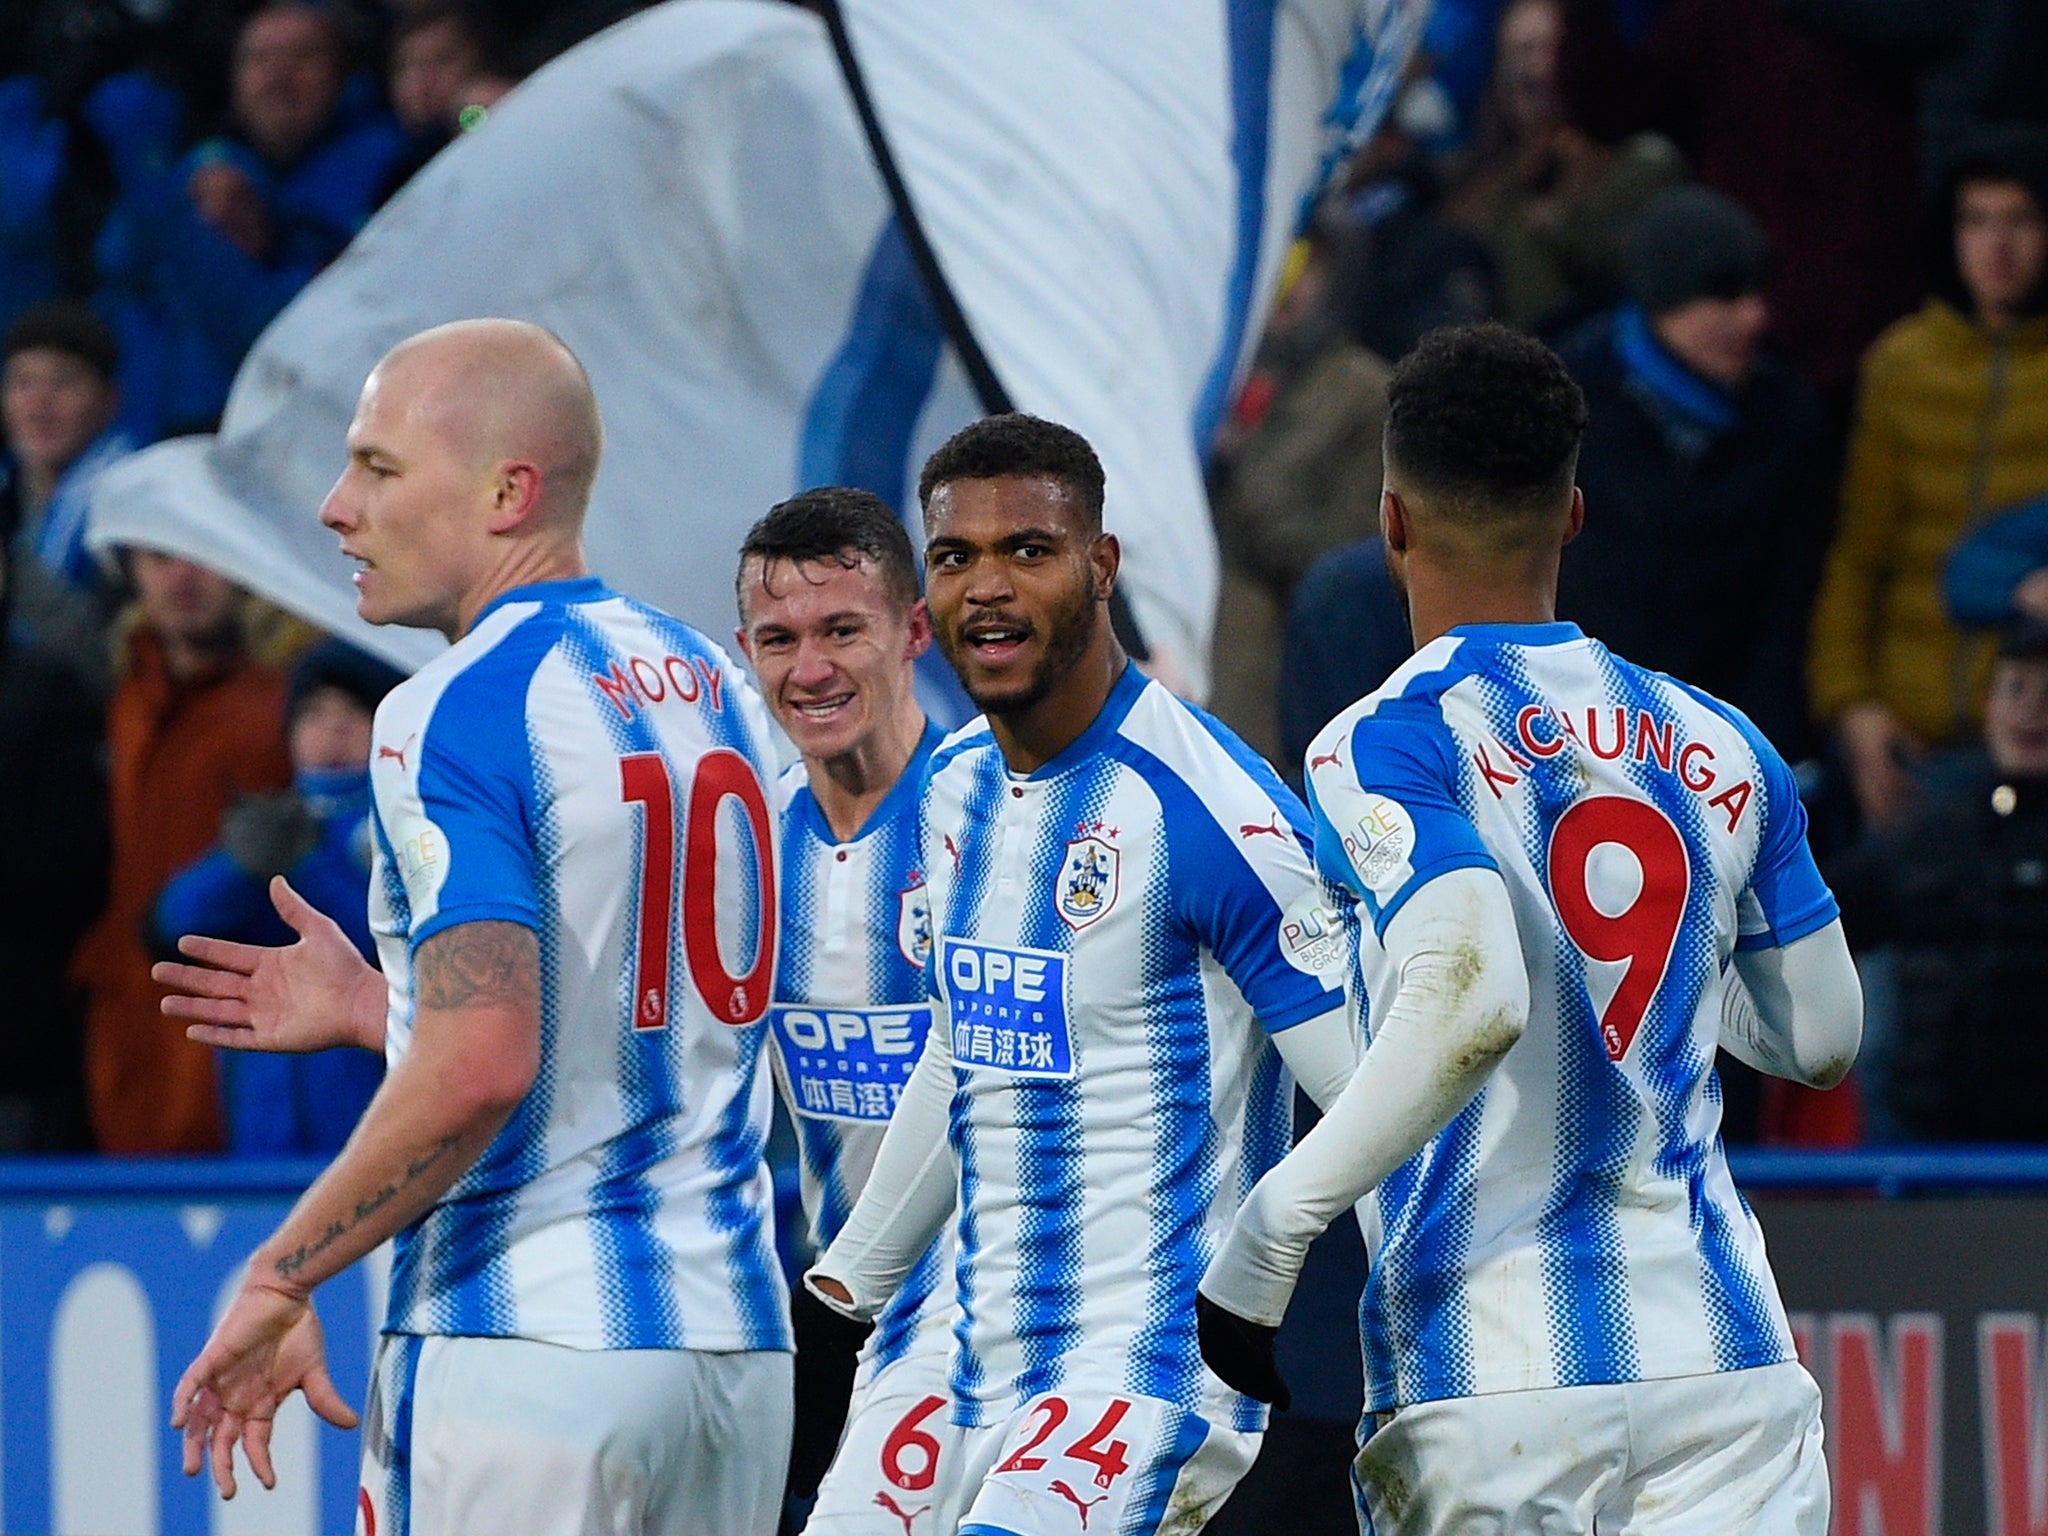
574,903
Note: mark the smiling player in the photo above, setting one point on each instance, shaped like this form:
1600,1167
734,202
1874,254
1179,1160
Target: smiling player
1126,923
831,618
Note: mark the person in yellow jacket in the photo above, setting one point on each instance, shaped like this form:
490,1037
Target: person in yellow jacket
1951,427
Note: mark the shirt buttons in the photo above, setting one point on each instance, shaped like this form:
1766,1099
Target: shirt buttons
840,855
1016,791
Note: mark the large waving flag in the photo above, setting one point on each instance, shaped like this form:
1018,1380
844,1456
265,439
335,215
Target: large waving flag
689,201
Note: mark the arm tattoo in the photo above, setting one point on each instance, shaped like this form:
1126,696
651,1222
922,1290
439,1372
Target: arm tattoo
478,965
292,1263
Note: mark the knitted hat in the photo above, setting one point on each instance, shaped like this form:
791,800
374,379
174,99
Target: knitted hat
337,664
2025,641
1693,243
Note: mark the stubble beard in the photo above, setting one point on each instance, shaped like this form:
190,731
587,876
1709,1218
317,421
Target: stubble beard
1069,631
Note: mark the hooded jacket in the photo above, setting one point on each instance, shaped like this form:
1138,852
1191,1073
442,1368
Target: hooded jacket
1951,426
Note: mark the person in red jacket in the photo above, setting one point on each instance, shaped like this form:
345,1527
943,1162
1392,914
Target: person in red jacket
195,724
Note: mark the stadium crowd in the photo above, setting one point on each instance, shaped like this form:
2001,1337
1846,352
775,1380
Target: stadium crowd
1793,251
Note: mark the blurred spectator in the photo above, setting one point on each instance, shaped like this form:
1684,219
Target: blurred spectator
444,56
57,406
1952,423
194,725
1707,506
317,835
2000,573
1402,269
447,61
1551,203
197,260
1810,130
1347,632
53,871
1959,890
1297,473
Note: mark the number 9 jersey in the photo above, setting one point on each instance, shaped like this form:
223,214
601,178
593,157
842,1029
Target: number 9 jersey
591,769
1576,1223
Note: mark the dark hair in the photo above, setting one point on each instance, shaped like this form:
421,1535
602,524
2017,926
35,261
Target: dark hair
66,327
836,522
1486,419
1017,444
2025,641
475,21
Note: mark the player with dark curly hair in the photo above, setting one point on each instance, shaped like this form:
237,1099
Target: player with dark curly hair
1573,879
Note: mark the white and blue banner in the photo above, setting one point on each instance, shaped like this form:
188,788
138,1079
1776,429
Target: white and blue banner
689,201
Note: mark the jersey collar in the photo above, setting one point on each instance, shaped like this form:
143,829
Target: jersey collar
574,589
906,787
1122,695
1560,632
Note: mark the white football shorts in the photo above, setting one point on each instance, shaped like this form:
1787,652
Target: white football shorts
462,1435
883,1479
1734,1451
1089,1463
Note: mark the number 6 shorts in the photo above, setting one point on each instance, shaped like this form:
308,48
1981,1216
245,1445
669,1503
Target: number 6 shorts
1089,1464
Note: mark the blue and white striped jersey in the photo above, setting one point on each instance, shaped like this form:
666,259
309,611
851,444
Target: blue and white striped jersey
1108,929
852,1009
1576,1223
594,770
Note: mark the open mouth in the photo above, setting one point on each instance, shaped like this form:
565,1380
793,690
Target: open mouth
994,641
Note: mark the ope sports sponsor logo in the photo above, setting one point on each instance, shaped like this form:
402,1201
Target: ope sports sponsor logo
849,1063
1008,1008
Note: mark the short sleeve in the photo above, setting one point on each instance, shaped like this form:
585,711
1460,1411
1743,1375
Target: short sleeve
464,837
1248,890
1787,899
1386,812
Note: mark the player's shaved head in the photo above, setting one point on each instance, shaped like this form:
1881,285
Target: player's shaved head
496,391
470,460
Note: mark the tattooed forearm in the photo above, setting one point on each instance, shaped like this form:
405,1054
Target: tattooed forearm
478,964
291,1265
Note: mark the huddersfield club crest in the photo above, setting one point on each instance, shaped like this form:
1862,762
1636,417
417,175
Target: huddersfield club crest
914,924
1088,881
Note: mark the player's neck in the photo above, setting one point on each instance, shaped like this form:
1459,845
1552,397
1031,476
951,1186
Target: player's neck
851,785
1440,602
521,563
1031,737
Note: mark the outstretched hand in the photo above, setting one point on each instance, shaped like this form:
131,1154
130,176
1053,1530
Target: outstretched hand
268,1345
305,996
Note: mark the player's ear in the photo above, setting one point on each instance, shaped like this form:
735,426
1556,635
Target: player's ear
1106,555
919,621
1394,526
515,495
739,637
1576,518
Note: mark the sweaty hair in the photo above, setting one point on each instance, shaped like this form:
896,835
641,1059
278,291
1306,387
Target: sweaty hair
1485,423
835,522
65,327
1017,444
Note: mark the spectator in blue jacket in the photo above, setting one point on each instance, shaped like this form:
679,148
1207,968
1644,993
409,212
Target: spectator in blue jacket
317,835
1999,574
199,258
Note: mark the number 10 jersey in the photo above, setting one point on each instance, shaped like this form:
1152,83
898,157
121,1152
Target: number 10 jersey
588,768
1576,1223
